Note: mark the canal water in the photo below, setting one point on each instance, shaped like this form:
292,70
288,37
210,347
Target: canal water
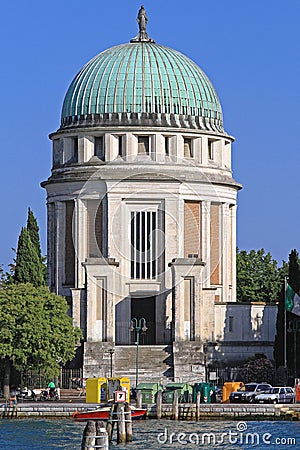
38,434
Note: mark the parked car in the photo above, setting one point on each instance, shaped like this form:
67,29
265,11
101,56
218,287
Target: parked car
218,394
247,393
276,395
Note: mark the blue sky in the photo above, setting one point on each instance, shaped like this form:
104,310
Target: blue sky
249,50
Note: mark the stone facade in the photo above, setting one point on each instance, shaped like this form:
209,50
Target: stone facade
142,223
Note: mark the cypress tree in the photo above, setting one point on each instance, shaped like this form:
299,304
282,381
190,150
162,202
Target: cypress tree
33,229
294,271
28,264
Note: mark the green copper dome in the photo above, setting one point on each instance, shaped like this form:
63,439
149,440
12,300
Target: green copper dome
142,83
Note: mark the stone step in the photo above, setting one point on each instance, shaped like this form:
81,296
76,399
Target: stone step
155,363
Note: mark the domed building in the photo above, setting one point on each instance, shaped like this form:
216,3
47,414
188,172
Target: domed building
142,212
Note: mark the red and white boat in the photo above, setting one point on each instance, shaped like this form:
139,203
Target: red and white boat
101,412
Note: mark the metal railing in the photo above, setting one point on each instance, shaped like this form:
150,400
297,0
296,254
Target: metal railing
67,379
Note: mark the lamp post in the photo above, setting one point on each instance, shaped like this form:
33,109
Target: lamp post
111,351
294,327
137,325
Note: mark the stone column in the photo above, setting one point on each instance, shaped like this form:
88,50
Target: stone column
205,241
233,251
225,230
179,149
81,145
198,150
204,150
131,147
88,148
80,241
159,148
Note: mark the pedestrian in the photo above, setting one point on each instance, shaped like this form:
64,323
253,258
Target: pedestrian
13,396
51,387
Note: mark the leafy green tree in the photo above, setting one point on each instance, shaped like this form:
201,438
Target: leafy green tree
258,277
36,332
28,268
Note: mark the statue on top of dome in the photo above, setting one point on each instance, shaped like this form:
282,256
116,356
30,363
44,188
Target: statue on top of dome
142,20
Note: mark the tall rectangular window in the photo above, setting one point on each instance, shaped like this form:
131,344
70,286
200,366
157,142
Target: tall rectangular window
210,147
167,145
120,143
143,145
99,147
144,261
75,150
188,148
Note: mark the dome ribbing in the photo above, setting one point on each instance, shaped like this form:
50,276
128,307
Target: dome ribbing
142,81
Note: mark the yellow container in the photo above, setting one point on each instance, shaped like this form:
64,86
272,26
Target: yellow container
119,384
230,386
96,390
125,386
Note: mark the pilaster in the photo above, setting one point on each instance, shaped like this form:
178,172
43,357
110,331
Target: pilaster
181,269
101,273
225,230
205,238
233,251
80,241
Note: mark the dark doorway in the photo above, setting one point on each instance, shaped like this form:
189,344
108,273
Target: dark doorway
144,307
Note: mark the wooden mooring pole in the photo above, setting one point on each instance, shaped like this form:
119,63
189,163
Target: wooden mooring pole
128,423
94,436
111,422
175,406
120,414
139,399
121,430
198,398
158,404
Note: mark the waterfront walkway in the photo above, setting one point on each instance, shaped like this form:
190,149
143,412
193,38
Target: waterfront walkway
187,411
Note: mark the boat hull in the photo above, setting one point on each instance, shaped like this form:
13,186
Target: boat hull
103,414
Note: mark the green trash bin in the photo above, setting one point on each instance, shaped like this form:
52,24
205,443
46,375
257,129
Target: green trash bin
205,393
196,389
149,391
185,392
212,393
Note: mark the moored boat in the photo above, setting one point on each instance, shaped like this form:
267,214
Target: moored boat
102,413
